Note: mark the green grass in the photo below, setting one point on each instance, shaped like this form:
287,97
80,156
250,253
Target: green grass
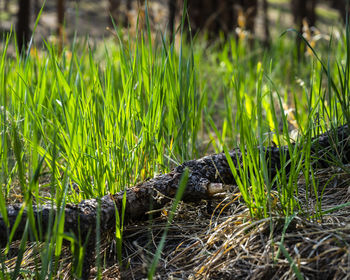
86,122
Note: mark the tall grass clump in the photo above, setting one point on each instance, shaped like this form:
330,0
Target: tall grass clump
114,124
261,112
74,127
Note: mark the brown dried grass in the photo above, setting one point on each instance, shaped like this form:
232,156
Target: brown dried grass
219,240
227,244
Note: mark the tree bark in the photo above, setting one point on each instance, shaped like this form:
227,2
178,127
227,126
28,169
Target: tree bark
172,7
303,10
342,6
114,12
250,8
60,24
23,24
266,23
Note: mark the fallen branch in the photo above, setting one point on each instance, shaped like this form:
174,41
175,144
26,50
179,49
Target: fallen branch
207,176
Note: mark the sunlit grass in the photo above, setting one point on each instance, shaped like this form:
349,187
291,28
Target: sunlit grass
94,120
113,125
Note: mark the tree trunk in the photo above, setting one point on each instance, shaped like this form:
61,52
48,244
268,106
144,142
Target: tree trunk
114,11
172,7
226,17
342,6
266,23
250,8
23,24
303,10
60,24
221,15
37,7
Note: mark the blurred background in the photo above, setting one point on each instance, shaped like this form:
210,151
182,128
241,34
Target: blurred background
62,19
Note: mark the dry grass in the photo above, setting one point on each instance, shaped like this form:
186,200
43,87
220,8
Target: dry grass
227,244
218,240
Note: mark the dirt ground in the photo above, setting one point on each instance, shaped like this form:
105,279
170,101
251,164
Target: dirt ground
82,18
85,17
91,18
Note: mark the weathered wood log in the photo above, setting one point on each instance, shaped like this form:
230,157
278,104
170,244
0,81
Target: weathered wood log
207,176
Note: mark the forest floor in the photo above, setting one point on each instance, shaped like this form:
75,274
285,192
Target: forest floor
218,240
91,18
215,239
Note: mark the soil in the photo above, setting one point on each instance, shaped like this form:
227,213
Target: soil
91,18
